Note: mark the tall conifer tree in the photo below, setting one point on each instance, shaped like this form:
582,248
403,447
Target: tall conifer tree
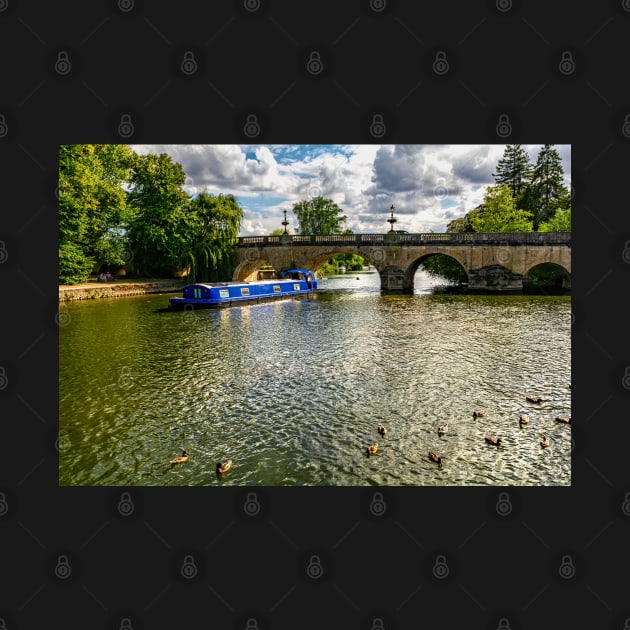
514,169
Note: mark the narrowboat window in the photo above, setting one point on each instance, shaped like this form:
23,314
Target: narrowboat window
276,288
296,287
224,293
245,291
197,293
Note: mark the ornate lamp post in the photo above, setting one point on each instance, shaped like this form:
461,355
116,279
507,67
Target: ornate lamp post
285,222
391,219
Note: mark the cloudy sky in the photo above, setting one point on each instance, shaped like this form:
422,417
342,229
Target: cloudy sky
429,185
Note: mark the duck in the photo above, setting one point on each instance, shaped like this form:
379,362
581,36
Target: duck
565,420
381,429
534,399
480,414
224,466
370,450
434,457
493,441
181,459
523,420
545,441
442,429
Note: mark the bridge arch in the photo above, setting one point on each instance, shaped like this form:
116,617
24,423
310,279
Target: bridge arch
556,275
410,271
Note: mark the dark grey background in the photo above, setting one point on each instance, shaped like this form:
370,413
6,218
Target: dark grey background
314,557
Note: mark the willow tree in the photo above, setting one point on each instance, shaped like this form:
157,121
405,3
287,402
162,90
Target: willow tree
212,223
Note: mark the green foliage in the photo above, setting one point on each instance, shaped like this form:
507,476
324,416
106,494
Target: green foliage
352,262
500,213
92,201
457,225
158,229
74,265
213,225
319,216
547,183
442,266
560,222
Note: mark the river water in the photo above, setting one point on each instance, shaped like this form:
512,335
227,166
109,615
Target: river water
292,391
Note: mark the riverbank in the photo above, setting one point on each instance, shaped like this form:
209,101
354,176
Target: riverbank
95,290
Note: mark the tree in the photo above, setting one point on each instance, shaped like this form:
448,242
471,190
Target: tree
92,207
559,222
514,169
319,216
549,190
158,230
500,213
213,223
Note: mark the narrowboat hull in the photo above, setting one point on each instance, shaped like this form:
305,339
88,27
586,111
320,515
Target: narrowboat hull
292,283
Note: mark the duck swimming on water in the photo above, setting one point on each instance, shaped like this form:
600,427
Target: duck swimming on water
480,414
381,429
434,457
372,449
493,441
224,466
442,429
181,459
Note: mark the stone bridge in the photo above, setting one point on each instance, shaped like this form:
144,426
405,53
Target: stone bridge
492,261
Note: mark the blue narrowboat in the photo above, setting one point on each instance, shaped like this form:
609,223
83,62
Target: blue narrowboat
292,282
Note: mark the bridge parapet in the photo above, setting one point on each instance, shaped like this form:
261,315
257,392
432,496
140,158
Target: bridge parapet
467,238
